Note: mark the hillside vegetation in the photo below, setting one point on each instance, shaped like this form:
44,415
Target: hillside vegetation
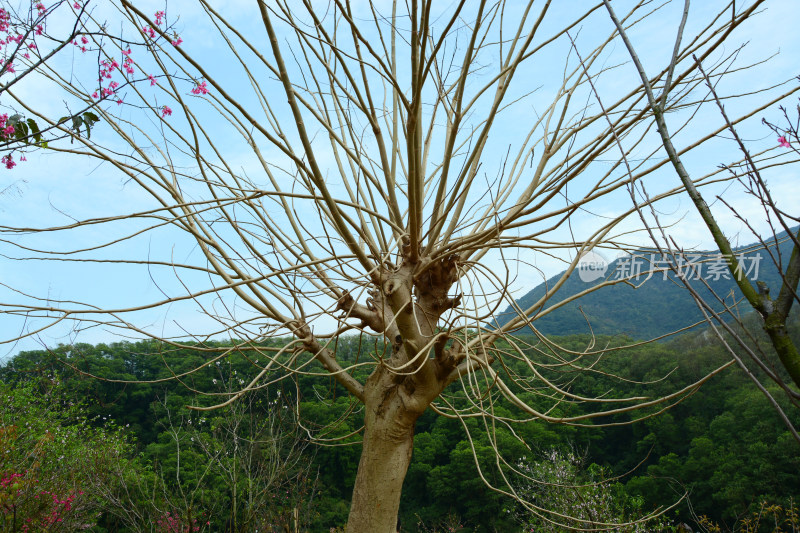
251,466
653,304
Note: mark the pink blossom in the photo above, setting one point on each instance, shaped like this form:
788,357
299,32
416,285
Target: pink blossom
76,5
84,40
159,17
94,95
200,89
8,161
177,42
23,158
152,80
126,52
165,111
148,31
783,142
39,29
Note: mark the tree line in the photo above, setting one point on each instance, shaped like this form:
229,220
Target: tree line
284,456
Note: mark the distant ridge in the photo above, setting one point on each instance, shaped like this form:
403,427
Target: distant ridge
657,307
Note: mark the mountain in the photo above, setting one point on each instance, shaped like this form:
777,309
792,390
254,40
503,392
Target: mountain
649,308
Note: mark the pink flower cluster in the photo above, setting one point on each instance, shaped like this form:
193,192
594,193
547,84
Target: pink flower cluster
107,69
174,524
783,142
54,514
8,479
82,45
59,510
5,21
15,38
108,86
201,88
160,19
127,63
5,27
6,130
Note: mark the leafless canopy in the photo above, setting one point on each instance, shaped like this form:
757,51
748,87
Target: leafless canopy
386,169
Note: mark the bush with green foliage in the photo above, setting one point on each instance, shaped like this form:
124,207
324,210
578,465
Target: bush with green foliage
564,495
52,458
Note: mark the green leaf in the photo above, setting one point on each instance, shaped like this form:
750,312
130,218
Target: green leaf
37,134
90,119
20,130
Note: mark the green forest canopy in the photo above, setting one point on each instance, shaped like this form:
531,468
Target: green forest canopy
723,444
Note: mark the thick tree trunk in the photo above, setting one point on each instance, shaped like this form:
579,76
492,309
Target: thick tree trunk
390,418
394,399
379,483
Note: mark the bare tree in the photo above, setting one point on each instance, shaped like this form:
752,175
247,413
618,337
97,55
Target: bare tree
262,453
386,170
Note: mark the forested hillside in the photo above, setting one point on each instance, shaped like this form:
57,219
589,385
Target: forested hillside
653,304
250,466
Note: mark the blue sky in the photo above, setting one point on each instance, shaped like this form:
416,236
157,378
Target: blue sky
53,188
